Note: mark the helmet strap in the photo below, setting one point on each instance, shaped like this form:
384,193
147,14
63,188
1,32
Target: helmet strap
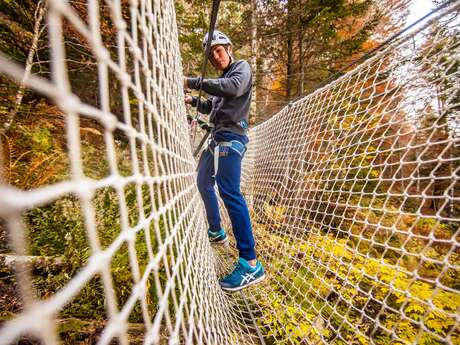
229,55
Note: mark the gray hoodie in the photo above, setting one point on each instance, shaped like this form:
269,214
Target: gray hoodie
231,98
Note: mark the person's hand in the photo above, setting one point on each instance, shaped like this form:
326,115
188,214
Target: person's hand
185,83
188,99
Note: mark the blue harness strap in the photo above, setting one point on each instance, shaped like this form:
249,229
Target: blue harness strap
214,147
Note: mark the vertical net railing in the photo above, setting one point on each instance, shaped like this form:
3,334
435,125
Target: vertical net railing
353,191
101,221
355,197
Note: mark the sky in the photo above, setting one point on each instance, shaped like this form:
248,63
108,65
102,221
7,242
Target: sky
418,9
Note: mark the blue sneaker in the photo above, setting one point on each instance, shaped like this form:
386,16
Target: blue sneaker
243,276
217,236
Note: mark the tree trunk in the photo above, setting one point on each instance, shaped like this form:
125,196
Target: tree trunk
39,14
290,48
252,118
301,64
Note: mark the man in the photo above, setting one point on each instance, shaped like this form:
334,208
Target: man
221,161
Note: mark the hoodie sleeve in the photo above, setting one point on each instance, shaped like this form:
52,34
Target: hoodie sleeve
204,107
234,84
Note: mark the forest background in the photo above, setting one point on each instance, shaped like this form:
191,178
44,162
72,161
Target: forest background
292,45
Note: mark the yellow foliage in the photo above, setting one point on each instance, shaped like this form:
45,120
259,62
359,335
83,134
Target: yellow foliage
384,282
274,213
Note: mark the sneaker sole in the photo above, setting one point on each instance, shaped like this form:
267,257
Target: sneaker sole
220,241
258,280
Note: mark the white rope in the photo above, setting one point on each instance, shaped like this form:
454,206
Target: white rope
355,200
353,191
147,66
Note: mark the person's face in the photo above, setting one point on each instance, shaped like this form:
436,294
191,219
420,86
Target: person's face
219,57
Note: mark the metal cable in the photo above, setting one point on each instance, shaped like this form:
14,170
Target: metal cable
212,25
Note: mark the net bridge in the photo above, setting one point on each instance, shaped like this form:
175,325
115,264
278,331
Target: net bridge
353,192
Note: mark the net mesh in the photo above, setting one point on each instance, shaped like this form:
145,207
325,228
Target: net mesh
136,256
355,196
353,192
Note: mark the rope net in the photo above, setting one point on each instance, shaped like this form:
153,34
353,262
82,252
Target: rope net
123,213
353,192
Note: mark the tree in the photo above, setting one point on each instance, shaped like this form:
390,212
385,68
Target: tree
38,17
439,122
318,39
22,38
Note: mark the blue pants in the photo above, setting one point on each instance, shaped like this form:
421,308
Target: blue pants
228,180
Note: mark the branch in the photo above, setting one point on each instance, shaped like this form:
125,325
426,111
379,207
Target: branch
10,260
39,13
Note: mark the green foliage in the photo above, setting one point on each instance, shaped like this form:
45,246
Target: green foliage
58,229
36,139
301,296
41,140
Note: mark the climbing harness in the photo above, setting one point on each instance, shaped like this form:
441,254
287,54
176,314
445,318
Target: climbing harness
215,148
207,126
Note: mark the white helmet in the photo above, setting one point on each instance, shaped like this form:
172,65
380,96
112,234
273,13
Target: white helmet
217,38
